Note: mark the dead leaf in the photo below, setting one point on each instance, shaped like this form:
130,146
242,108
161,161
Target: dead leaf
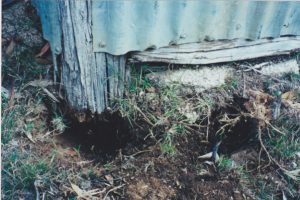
10,48
11,99
205,156
291,109
260,105
43,61
211,167
78,191
259,97
223,182
5,41
84,162
41,83
110,179
203,172
28,134
209,155
150,89
298,154
44,50
20,198
69,152
7,93
18,40
291,95
283,196
14,143
50,94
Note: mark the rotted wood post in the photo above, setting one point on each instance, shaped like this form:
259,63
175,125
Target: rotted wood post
91,80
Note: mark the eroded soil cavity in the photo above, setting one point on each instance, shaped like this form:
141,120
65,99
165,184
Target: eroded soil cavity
165,160
158,145
99,140
141,159
158,141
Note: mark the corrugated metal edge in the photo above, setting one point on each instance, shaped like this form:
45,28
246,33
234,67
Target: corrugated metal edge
285,14
120,27
47,10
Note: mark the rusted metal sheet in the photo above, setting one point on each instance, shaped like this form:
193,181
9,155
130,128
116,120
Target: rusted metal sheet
123,26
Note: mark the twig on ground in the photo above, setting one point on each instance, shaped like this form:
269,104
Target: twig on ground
207,130
46,134
113,190
268,154
258,168
36,190
268,123
146,118
269,133
257,66
252,68
244,84
230,122
134,121
137,153
195,125
8,173
151,133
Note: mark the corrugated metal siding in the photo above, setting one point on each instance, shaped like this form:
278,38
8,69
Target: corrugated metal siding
47,10
123,26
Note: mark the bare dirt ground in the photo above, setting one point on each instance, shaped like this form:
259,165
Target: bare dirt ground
148,145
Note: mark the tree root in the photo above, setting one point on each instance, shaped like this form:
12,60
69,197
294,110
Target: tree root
268,154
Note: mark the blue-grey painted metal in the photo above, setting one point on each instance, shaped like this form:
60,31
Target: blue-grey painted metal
123,26
47,10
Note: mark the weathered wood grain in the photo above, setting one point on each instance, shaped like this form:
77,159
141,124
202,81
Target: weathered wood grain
127,77
70,67
83,40
116,75
218,51
112,73
100,82
121,81
87,77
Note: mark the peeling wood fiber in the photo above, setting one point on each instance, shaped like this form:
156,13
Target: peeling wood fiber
219,51
91,80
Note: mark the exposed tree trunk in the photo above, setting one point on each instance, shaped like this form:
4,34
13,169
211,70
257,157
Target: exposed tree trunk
91,80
